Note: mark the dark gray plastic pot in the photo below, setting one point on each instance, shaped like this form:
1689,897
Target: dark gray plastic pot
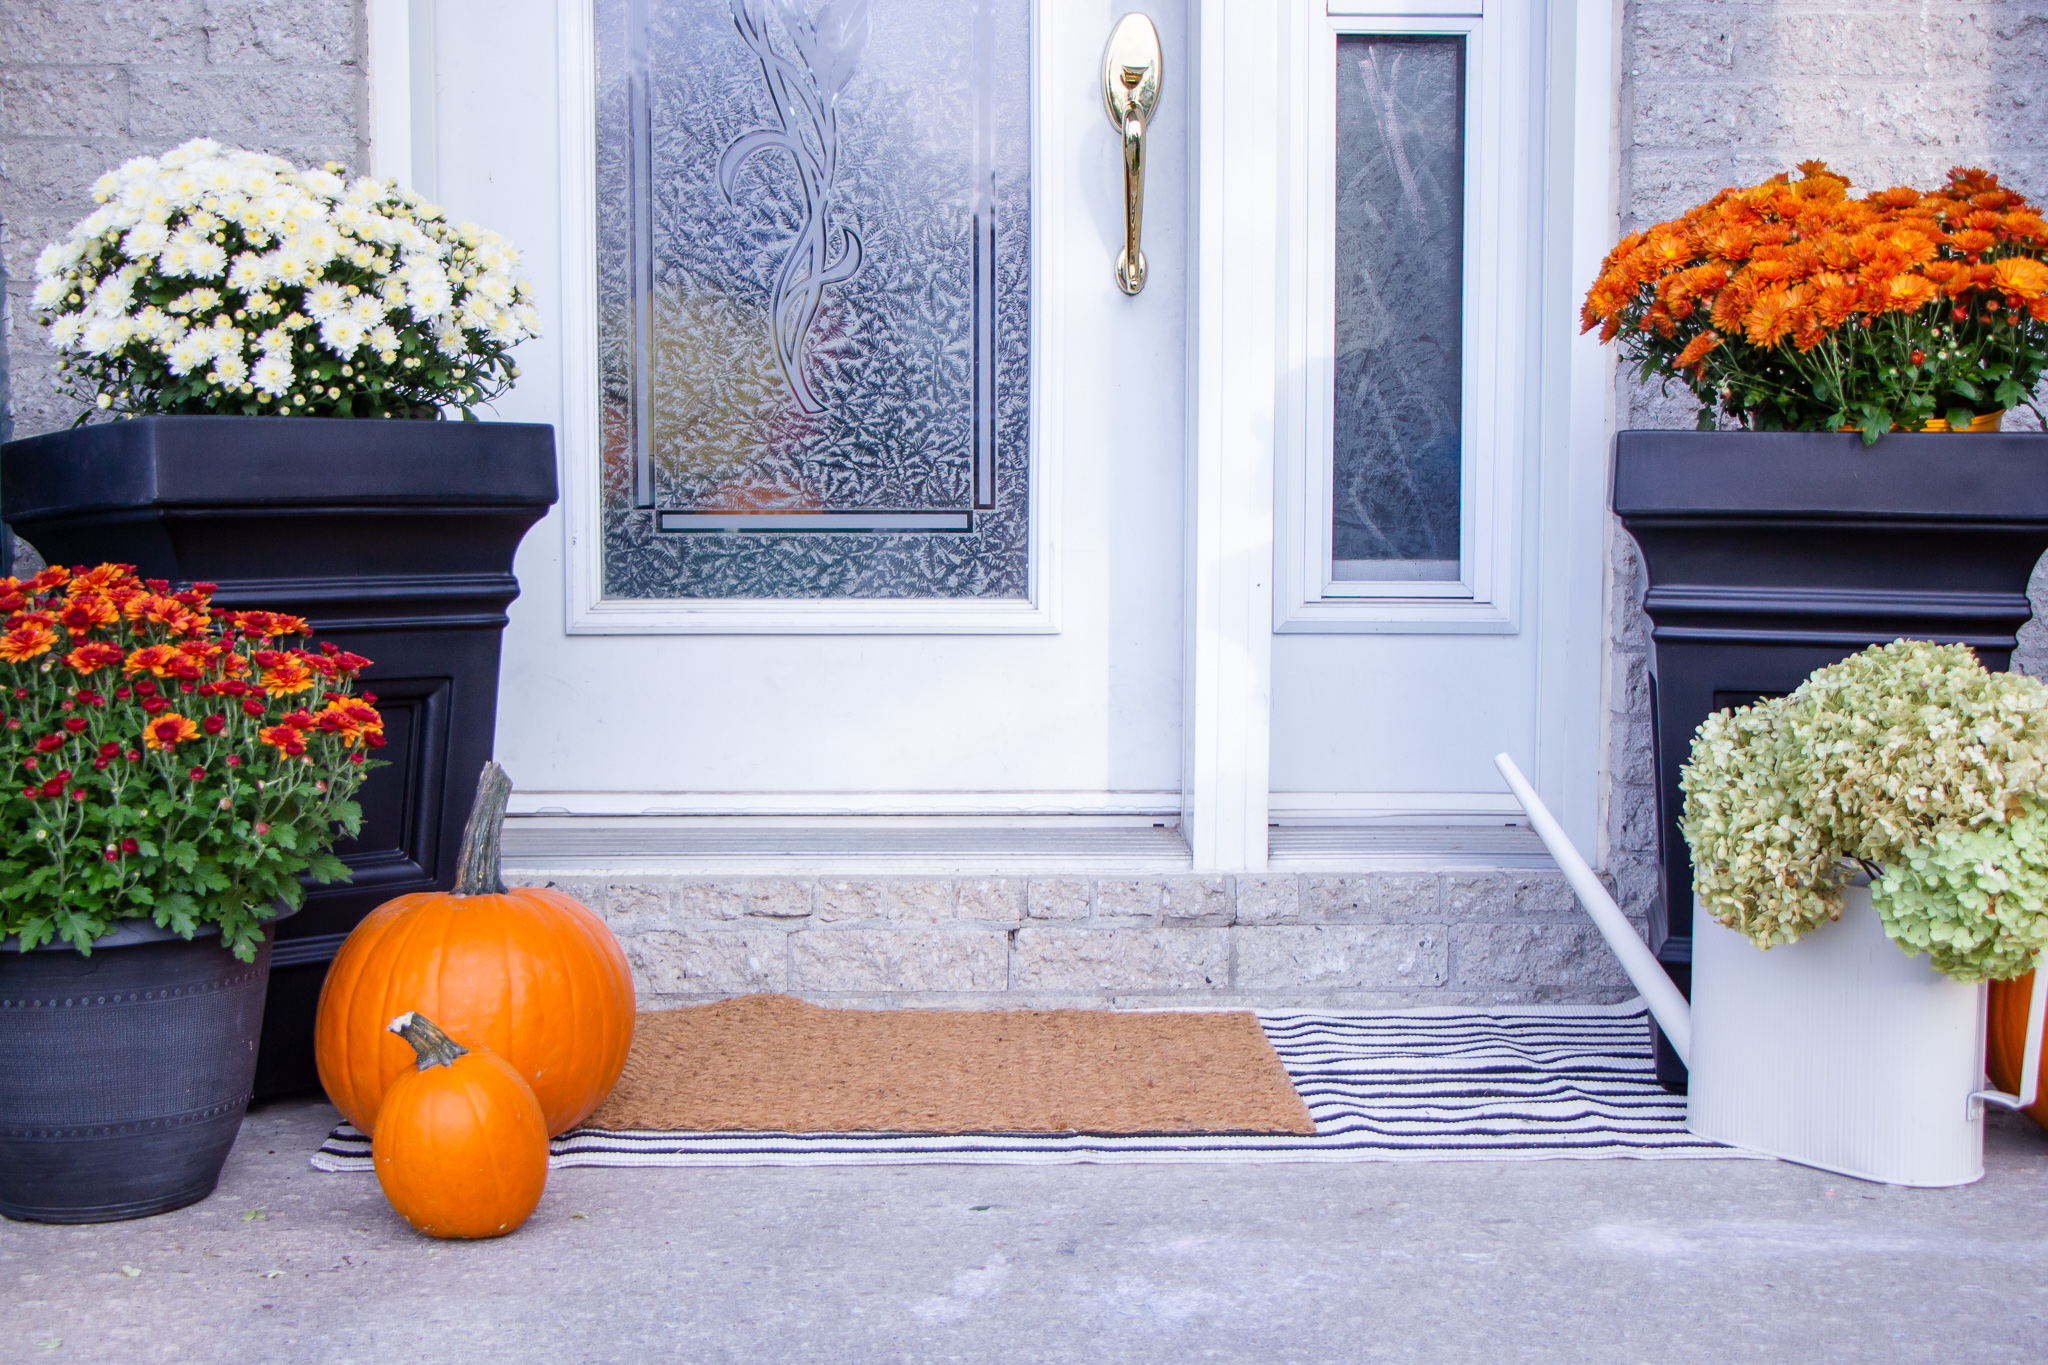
123,1075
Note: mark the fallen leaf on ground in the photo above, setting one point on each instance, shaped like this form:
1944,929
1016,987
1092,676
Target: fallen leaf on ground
130,1271
255,1215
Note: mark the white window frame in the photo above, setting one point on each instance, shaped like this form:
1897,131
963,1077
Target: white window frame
1497,355
588,611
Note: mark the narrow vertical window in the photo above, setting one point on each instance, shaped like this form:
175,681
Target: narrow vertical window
1397,483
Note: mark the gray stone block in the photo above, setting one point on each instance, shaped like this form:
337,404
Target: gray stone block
1319,957
1373,898
919,900
897,900
242,104
738,897
1335,899
1196,901
1509,896
709,961
267,32
1059,898
66,32
636,907
1406,898
1268,900
1680,42
1560,959
66,102
1135,898
1150,960
996,899
843,900
830,960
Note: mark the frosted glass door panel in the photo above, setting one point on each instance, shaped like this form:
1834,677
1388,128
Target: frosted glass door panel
1397,485
814,297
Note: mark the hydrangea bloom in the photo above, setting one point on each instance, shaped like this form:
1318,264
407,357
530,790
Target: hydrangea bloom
218,280
1911,759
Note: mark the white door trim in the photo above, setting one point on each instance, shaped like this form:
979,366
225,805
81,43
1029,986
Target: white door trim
1500,197
1233,349
588,610
1581,201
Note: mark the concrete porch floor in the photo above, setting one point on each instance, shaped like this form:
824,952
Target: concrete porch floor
1596,1261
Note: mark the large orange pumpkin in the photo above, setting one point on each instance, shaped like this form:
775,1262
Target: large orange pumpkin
460,1149
2006,1046
530,974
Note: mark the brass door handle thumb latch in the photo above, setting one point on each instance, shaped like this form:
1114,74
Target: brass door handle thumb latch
1130,91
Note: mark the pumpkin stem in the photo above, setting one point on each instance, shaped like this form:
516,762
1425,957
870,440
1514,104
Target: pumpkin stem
434,1047
480,862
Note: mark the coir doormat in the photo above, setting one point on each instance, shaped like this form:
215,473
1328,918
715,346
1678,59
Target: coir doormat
1521,1082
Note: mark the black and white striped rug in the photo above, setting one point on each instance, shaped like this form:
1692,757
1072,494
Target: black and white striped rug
1509,1083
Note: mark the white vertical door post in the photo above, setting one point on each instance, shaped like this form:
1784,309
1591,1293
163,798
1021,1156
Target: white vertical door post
1233,351
1580,192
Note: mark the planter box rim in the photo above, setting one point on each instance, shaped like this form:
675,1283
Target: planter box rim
1778,475
200,461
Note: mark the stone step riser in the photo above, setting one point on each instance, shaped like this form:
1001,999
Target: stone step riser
1042,941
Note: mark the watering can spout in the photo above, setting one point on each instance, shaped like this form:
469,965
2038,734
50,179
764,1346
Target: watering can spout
1667,1003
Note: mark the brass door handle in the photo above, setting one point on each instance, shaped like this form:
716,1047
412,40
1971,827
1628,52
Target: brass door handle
1130,91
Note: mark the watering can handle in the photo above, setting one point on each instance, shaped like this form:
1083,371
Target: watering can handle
1667,1004
2030,1062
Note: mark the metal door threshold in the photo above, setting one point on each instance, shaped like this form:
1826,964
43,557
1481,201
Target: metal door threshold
613,849
1393,848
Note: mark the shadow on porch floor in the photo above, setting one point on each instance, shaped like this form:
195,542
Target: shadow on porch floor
1609,1261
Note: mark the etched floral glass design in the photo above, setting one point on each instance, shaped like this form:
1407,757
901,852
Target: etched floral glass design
813,221
1398,456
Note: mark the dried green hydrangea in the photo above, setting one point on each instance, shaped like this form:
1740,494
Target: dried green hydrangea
1910,758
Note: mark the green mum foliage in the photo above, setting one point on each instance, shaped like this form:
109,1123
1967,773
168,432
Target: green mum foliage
1910,759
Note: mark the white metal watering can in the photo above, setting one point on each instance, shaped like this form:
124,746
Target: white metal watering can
1838,1051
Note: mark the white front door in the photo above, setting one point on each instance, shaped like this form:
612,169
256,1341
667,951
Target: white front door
872,474
882,500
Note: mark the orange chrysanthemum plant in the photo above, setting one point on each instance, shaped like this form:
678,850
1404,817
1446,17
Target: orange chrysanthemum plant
160,758
1791,306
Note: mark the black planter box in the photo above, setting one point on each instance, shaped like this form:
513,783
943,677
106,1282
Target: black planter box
393,538
1771,554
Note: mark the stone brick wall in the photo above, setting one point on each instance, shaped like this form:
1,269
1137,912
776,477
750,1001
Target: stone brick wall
86,84
1378,940
1721,92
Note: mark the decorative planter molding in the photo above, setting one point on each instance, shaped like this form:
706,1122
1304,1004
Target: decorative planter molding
1771,554
393,538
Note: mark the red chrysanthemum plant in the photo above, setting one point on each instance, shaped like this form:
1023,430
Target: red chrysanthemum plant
162,759
1792,306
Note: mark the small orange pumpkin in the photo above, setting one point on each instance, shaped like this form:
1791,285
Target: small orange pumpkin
530,974
2005,1049
460,1148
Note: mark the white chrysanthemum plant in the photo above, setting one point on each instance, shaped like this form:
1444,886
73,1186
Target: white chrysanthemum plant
214,280
1909,762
